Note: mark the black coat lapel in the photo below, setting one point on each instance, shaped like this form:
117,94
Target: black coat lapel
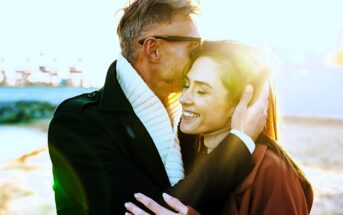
145,149
188,150
113,99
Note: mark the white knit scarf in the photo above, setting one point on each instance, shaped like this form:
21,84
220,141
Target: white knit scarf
150,110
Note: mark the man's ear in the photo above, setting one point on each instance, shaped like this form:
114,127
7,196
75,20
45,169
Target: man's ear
151,49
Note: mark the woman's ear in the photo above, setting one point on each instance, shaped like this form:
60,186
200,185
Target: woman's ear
151,50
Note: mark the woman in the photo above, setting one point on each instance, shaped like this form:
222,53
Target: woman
219,73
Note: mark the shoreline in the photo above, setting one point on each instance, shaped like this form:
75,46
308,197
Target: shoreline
329,119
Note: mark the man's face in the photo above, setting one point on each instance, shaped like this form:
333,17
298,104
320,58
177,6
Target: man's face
174,55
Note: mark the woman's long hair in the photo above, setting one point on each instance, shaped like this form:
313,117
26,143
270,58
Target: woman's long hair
271,130
240,66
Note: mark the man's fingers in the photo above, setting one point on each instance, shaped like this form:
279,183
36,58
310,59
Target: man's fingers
261,105
175,204
246,97
238,116
158,209
265,92
149,203
134,209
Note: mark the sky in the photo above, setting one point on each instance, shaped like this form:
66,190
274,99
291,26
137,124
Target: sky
63,33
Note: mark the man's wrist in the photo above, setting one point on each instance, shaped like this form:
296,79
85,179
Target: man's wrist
245,139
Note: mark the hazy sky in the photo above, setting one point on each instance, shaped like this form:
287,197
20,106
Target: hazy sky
60,33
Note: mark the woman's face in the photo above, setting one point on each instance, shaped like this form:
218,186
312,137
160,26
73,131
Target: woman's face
205,101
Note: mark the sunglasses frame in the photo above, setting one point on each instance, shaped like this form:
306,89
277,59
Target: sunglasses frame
172,38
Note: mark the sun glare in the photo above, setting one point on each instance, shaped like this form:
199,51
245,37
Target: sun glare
293,26
38,35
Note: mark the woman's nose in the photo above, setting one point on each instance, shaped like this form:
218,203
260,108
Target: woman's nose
186,97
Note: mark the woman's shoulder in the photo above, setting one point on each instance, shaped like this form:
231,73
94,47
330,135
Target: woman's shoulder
273,167
278,183
273,161
266,159
269,170
271,188
275,176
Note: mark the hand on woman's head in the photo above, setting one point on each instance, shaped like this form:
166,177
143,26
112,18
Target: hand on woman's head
251,119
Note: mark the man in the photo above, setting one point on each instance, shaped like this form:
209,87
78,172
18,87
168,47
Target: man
123,139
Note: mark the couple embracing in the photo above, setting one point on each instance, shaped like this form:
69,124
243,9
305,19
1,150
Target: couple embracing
181,126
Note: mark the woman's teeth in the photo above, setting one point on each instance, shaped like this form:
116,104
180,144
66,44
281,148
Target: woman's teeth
190,114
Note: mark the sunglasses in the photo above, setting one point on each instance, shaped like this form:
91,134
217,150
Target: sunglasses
172,39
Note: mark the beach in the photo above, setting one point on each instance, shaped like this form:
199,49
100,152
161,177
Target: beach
316,144
26,178
25,170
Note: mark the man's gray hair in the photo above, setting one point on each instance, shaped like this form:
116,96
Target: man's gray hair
141,15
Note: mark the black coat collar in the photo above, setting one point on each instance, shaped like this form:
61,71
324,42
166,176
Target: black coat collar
113,97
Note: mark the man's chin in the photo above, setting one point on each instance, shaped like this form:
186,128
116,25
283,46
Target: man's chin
175,88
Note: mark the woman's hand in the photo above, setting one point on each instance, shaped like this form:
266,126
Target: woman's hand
155,207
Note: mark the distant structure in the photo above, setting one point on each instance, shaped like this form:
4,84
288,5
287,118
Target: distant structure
3,78
23,79
42,75
75,78
51,77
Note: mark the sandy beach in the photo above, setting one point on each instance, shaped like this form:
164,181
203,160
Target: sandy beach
316,144
26,179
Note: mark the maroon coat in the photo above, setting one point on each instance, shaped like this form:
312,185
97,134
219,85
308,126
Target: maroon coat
271,188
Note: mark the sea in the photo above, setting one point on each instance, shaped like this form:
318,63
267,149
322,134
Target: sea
311,94
53,95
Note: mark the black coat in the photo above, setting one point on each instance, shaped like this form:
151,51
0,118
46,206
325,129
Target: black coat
102,154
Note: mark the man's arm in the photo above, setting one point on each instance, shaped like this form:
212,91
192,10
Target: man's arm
92,174
219,174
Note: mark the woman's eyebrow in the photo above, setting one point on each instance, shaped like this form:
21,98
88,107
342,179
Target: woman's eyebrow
203,83
198,82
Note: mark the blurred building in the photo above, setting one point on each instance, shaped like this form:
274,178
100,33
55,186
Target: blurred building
76,77
43,76
3,78
23,78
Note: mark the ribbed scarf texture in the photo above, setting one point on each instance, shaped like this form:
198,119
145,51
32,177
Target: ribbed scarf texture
155,117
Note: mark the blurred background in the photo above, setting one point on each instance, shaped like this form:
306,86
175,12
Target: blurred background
51,50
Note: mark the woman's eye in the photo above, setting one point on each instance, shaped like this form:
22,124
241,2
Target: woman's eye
201,92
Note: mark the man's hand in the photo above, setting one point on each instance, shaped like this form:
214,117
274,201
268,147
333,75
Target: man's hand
251,120
155,207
